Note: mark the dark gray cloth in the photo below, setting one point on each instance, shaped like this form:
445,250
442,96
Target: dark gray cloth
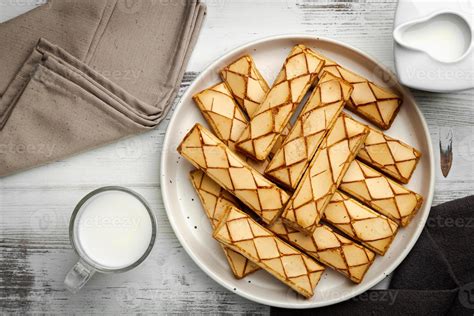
436,278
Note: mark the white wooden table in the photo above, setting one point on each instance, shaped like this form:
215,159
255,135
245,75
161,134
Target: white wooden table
35,206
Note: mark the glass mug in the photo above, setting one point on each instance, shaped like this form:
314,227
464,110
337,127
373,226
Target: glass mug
113,230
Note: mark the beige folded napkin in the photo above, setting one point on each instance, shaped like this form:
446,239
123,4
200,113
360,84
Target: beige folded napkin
77,74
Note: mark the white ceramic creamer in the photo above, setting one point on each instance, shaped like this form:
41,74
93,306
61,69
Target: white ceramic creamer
434,44
445,36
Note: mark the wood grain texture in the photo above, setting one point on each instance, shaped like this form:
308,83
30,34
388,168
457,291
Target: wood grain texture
35,205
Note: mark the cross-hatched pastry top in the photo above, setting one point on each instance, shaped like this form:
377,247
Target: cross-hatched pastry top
330,248
246,83
306,206
389,155
241,233
206,152
359,222
378,105
221,112
316,118
381,193
215,200
299,71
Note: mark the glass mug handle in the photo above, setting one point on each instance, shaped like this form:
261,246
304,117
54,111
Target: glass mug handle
78,276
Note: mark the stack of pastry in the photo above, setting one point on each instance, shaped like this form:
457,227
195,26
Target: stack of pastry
326,192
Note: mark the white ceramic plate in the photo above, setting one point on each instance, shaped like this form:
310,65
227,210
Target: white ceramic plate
192,227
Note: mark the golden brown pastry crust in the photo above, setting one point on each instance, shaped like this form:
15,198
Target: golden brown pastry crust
381,193
207,153
215,200
316,118
241,233
330,248
389,155
374,103
300,70
306,207
359,222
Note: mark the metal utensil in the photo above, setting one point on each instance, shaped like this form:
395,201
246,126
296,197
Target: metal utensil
446,150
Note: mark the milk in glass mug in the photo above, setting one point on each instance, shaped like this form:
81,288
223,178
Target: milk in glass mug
113,230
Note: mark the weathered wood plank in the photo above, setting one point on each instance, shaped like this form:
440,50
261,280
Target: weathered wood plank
35,205
36,255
